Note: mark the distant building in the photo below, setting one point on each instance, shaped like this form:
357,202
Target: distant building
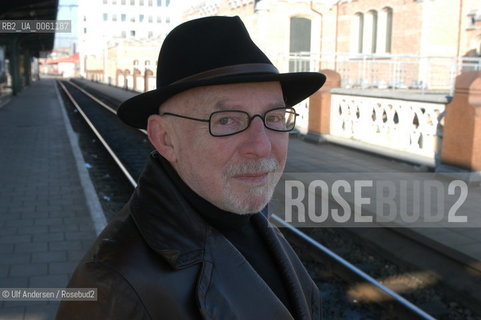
400,44
132,64
107,23
59,64
447,28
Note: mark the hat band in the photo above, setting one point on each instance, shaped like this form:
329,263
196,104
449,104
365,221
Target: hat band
230,71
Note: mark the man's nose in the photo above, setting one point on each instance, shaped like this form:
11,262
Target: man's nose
257,143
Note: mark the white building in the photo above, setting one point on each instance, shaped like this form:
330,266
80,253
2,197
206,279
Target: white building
106,23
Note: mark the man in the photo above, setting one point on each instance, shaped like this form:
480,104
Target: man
194,242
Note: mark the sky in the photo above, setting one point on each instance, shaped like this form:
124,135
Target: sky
67,10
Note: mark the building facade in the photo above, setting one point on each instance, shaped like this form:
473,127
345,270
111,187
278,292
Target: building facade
104,24
394,44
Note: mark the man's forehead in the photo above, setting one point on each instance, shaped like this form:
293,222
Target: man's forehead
227,96
231,95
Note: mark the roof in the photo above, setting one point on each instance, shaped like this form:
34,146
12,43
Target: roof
73,59
29,10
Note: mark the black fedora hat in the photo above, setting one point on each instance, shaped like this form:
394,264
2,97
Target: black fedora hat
212,51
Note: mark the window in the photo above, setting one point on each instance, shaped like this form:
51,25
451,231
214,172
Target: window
114,17
104,1
132,2
122,2
132,19
150,3
299,44
132,33
370,32
141,2
159,3
167,20
150,19
167,2
147,63
141,18
357,33
159,19
123,17
388,29
123,34
85,30
106,16
151,34
136,62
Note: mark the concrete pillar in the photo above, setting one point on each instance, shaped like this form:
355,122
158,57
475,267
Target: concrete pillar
462,129
27,62
15,66
320,107
147,74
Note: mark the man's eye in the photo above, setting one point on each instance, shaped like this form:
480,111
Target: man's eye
275,118
225,120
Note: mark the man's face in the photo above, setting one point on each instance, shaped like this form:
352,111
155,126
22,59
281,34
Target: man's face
230,172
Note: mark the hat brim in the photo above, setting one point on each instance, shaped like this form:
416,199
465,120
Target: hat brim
295,86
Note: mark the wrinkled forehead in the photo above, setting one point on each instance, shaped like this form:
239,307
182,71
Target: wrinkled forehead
207,99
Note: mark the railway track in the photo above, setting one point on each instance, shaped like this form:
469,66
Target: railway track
129,148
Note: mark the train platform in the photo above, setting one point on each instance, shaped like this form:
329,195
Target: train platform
45,199
49,213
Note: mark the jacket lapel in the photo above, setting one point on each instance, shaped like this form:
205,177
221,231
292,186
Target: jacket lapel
304,303
229,288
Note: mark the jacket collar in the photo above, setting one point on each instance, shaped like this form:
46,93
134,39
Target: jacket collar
166,221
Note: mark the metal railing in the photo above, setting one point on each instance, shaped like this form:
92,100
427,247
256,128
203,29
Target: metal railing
395,72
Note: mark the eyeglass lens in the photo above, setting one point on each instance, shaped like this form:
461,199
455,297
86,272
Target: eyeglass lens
230,122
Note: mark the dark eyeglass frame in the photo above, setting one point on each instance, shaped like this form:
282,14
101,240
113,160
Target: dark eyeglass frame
262,116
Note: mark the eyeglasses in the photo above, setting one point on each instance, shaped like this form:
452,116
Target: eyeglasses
228,122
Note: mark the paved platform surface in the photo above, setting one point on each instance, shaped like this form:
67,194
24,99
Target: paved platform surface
44,219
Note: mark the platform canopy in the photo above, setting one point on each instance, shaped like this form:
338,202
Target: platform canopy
31,43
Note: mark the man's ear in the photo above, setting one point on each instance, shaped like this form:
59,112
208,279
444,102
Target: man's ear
161,137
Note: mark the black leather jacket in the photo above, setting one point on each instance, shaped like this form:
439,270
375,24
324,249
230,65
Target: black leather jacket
162,261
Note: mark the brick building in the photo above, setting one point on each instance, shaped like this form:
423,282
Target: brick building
397,44
330,30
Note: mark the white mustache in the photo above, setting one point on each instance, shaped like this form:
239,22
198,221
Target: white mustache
251,167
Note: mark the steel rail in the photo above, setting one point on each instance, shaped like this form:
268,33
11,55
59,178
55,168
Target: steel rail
277,220
88,94
405,303
99,136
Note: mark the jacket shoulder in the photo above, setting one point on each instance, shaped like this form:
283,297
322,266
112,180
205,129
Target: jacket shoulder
131,277
112,293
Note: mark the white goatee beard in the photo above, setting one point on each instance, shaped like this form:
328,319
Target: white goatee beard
256,198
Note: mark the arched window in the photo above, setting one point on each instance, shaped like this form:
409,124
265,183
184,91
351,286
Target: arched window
300,44
387,13
357,32
370,32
